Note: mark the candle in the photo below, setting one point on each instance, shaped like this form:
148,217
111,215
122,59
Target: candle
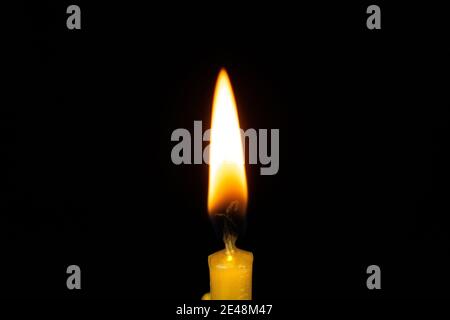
230,269
230,273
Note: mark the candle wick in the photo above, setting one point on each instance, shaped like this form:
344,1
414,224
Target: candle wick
229,228
230,246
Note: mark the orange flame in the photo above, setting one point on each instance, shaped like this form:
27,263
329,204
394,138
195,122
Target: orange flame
227,181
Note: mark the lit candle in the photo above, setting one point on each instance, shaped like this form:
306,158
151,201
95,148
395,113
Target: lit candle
230,269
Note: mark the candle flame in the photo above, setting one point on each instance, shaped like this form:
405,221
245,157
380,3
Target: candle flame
227,181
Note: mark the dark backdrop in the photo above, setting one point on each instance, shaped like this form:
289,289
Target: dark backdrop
88,179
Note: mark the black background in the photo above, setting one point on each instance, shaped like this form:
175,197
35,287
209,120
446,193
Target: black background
88,178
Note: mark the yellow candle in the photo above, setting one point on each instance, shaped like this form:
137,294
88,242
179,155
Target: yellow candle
230,270
231,275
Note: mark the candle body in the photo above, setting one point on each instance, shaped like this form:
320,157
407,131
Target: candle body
231,275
